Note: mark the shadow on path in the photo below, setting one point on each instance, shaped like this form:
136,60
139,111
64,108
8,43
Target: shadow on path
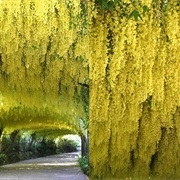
56,167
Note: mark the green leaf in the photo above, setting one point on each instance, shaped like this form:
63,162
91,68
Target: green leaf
104,5
110,5
84,24
145,9
150,101
134,14
34,47
70,25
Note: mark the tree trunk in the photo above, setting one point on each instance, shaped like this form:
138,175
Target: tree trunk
83,146
13,138
1,144
33,137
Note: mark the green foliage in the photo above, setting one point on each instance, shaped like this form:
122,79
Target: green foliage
13,157
3,159
26,155
149,101
145,9
135,14
25,147
110,5
107,4
66,145
83,162
33,145
44,147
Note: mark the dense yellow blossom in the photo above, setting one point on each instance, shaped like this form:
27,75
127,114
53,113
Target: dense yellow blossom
128,54
38,71
134,93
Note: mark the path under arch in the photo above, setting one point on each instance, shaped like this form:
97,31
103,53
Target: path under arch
56,167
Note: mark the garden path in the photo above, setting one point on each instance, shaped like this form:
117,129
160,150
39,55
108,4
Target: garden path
56,167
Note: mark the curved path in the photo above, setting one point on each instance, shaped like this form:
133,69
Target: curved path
56,167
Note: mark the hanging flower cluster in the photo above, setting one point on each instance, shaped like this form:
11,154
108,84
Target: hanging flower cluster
41,63
134,94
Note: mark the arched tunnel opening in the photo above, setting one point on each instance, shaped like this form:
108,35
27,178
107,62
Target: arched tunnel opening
39,127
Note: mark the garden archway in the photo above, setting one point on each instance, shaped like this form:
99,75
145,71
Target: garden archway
50,51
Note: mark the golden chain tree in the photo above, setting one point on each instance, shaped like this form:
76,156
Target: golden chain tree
131,49
134,92
41,67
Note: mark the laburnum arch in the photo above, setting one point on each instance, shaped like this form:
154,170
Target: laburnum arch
125,52
42,66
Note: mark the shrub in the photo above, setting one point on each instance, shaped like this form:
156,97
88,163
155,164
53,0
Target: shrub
66,145
26,155
83,162
3,159
46,147
13,157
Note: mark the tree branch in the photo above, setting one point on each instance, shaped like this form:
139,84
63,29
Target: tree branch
83,84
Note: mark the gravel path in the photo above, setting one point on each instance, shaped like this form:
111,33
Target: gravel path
56,167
